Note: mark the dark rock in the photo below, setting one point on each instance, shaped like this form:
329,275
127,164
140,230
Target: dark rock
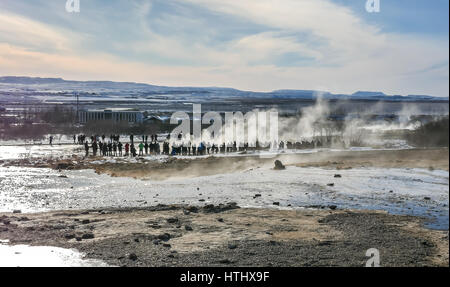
156,241
337,176
332,207
164,237
220,219
427,198
330,184
78,238
167,245
85,221
211,208
225,261
276,203
232,246
279,165
427,244
132,257
172,220
63,166
69,236
87,236
188,228
192,209
17,211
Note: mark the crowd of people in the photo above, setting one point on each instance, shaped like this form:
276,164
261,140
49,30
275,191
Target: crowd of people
113,146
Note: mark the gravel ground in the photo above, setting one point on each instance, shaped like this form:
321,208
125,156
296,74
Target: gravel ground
227,235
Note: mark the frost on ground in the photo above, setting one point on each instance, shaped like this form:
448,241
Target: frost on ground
418,192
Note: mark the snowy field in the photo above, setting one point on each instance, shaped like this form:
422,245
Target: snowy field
418,192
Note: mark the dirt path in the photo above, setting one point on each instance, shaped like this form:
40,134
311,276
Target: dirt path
230,236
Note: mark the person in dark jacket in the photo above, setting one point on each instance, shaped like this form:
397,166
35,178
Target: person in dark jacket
146,148
94,148
120,146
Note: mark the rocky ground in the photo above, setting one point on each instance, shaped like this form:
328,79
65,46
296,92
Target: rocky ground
226,235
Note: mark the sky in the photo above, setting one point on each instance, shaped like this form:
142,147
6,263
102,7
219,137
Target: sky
257,45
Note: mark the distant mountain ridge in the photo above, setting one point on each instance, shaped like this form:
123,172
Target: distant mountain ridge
59,83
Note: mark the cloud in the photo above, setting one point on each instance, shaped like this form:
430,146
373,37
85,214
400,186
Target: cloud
31,34
254,45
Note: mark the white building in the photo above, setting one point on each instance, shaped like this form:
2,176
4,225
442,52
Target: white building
116,115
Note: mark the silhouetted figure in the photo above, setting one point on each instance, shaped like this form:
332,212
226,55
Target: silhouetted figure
127,149
120,146
94,148
105,149
146,148
114,149
133,150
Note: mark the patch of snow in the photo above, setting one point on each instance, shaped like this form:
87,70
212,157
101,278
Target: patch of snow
43,256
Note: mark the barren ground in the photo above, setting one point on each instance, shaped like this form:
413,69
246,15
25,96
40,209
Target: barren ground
230,236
